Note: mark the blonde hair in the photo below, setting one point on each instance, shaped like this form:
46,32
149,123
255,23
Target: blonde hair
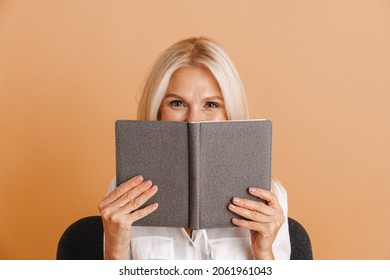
193,52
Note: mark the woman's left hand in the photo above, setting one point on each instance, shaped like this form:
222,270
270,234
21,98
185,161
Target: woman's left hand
264,221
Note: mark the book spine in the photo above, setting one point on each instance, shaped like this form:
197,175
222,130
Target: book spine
194,173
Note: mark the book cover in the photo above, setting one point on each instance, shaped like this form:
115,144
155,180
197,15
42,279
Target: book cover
198,166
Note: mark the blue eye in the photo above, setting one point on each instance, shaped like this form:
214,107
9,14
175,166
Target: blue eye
176,103
212,105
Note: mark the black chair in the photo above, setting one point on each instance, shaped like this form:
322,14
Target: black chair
300,241
83,240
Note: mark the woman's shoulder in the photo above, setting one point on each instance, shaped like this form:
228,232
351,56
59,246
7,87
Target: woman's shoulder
277,187
280,192
112,185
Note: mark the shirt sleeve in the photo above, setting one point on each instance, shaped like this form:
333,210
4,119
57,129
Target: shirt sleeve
281,246
112,185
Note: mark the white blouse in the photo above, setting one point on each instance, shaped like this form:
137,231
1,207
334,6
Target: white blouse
205,244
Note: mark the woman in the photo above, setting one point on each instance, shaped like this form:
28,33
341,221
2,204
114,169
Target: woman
194,80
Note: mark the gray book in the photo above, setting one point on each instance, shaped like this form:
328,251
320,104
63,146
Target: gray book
198,167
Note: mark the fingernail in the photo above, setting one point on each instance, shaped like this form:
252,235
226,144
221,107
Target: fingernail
138,179
236,200
232,206
252,190
154,188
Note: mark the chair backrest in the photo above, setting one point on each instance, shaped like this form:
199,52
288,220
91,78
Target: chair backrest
83,240
300,241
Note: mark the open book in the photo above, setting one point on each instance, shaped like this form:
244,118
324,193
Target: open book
198,167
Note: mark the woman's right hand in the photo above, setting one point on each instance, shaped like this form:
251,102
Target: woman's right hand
120,209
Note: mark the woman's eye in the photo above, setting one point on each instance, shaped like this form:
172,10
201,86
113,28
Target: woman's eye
212,105
176,103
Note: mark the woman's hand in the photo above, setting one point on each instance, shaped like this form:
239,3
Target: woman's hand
120,209
264,221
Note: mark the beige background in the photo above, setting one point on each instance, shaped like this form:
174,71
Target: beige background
319,69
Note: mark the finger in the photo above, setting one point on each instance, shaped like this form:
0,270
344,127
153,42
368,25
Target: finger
139,201
264,229
249,214
132,194
120,190
253,205
268,196
143,212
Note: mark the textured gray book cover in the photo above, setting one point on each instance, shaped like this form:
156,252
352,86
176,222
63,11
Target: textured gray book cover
199,166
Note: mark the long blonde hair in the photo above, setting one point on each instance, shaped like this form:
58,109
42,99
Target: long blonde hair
193,52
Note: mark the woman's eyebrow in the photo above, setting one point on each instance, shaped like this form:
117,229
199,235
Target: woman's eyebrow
172,95
214,97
